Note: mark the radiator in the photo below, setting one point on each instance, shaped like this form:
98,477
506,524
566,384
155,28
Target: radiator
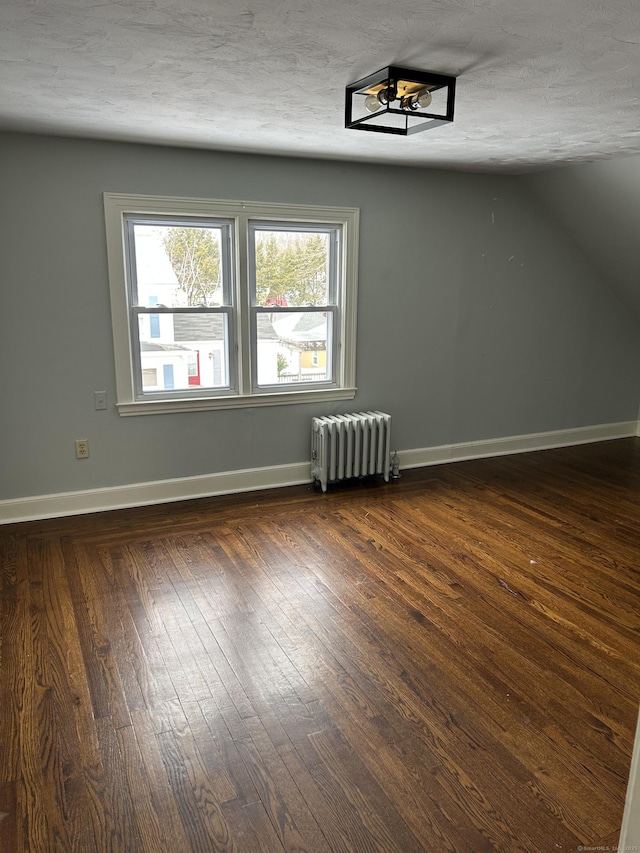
355,445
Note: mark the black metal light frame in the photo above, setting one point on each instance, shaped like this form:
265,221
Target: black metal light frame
397,79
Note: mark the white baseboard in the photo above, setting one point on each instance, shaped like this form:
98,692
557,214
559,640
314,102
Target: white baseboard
252,479
158,491
466,450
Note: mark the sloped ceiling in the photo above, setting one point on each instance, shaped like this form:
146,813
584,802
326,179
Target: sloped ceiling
540,84
598,206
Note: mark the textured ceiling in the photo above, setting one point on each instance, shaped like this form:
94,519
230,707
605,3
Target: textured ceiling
540,82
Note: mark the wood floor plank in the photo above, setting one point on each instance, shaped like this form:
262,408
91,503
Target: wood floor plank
296,827
164,802
445,663
107,693
145,677
13,615
201,815
251,827
147,819
76,745
9,817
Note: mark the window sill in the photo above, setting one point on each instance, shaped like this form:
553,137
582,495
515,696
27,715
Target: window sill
203,404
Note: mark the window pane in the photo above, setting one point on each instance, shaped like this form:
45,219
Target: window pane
292,267
192,351
178,266
293,347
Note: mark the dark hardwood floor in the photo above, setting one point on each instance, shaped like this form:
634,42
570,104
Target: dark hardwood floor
445,663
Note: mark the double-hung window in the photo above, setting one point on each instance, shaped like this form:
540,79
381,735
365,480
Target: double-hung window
218,304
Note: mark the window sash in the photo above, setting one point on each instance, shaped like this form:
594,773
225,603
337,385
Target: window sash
329,308
227,248
333,231
136,309
331,312
230,350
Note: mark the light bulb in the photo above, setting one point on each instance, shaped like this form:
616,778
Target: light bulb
409,102
424,98
372,103
388,95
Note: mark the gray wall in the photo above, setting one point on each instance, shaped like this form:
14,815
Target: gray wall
477,317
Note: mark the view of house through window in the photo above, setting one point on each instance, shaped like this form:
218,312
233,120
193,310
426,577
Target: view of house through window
236,305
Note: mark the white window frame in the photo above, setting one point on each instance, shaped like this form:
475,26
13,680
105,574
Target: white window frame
119,205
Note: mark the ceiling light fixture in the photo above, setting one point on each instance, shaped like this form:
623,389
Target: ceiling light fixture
400,100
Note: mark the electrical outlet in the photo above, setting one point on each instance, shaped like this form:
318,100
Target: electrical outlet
100,399
82,448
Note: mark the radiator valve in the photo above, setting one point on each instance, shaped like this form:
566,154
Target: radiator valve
395,466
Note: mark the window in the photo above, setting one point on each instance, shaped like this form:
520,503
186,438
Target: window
150,377
230,303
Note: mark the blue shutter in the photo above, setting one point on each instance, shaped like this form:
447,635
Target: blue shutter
167,370
154,319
